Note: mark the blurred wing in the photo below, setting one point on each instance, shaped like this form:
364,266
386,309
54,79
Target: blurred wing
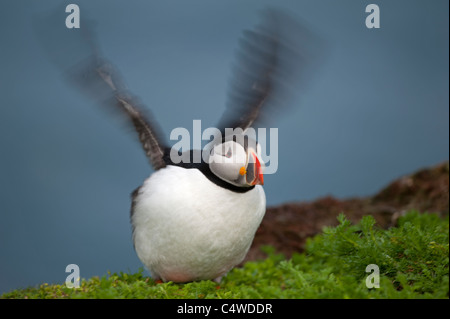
77,54
253,79
269,62
100,80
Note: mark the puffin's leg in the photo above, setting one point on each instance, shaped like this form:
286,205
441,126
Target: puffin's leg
157,279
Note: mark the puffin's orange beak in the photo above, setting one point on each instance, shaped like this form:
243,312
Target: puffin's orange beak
259,177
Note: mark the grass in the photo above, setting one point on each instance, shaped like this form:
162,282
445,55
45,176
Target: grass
413,261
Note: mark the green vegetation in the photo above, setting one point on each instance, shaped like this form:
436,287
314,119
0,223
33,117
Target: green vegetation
413,259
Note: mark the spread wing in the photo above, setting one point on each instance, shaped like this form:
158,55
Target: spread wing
102,81
76,52
252,83
270,62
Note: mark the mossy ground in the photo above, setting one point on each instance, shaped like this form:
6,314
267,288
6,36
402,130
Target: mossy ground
413,260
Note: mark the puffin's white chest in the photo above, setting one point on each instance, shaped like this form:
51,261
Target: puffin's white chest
188,228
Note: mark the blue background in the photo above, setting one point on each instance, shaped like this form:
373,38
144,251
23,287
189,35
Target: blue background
377,108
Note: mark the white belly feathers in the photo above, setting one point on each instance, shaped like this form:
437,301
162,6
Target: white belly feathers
187,228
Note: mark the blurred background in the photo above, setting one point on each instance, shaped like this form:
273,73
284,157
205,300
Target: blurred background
377,108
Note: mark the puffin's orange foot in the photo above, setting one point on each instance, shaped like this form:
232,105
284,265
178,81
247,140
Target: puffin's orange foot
158,281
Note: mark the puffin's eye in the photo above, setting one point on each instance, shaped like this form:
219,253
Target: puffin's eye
229,153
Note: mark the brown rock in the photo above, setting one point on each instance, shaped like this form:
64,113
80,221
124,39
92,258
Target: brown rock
286,227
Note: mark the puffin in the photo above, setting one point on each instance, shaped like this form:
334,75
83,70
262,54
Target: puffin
196,218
